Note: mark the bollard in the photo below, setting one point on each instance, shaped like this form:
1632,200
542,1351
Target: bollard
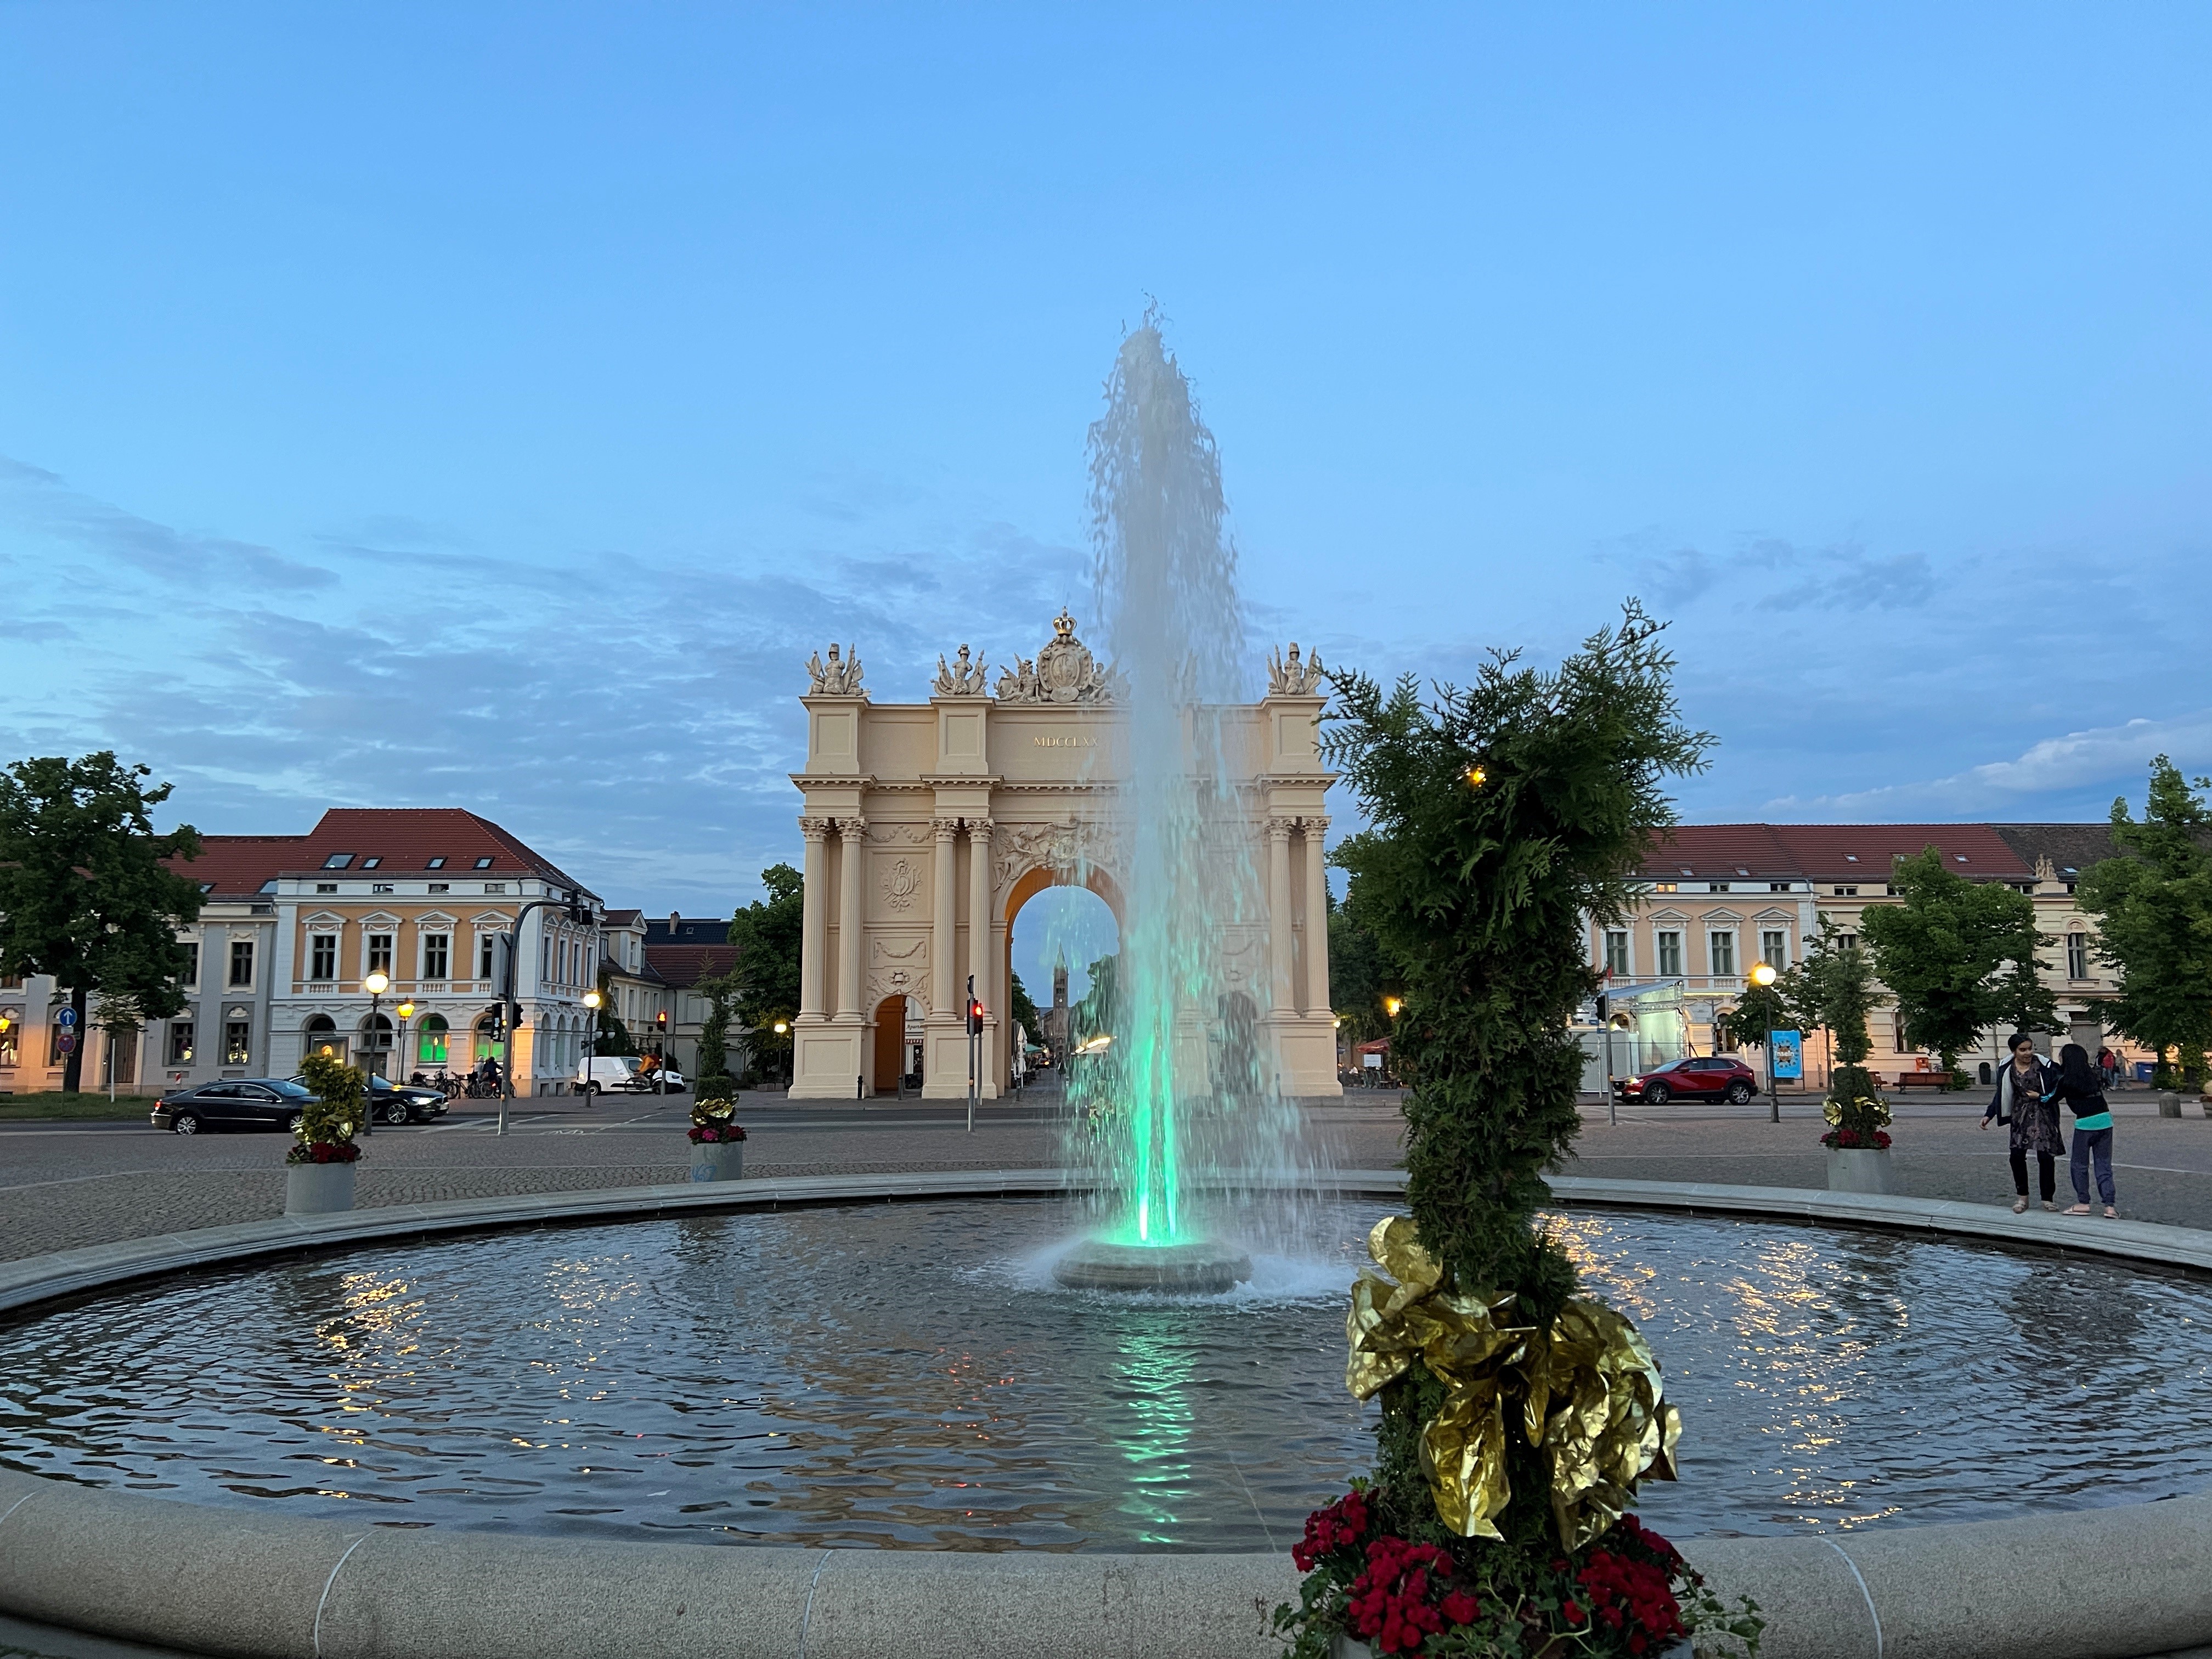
2169,1103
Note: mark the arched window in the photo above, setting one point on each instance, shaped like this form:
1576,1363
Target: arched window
321,1032
483,1044
430,1040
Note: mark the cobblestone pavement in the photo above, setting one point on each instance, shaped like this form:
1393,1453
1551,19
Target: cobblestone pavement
68,1184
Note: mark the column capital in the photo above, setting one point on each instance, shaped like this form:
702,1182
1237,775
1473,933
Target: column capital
1280,828
1315,824
946,828
855,828
979,829
814,829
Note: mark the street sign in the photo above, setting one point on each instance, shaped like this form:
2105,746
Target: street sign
66,1019
67,1041
1787,1049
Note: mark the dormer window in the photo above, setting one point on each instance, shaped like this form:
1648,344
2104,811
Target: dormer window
435,864
337,860
206,887
269,886
1850,858
371,863
484,863
1960,857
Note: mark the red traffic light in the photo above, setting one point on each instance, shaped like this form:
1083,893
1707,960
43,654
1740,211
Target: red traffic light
975,1015
661,1018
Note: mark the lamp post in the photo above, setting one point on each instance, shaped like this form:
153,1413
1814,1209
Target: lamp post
376,984
592,1000
783,1029
406,1011
1762,975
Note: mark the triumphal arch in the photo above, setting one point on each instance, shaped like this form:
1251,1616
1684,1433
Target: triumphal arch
928,825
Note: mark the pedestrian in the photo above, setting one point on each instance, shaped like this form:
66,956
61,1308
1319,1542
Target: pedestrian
2026,1099
2108,1066
2093,1130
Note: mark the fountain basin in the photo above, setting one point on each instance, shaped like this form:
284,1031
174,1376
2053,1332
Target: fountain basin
1204,1268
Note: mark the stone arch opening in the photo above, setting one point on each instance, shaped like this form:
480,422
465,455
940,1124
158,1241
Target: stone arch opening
898,1035
321,1034
1053,946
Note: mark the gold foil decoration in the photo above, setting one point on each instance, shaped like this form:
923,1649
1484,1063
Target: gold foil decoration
1587,1390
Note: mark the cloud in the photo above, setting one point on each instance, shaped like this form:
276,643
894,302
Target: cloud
1841,576
2112,759
36,501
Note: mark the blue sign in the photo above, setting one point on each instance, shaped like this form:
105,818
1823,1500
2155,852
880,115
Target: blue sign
66,1017
1787,1049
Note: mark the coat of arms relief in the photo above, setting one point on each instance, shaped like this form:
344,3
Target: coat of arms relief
1065,671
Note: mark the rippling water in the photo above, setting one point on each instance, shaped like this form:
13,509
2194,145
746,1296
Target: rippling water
908,1375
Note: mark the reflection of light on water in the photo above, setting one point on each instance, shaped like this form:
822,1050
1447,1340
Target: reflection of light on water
1154,1370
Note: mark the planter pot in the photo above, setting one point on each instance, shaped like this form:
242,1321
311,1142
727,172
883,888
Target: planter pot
718,1160
1860,1170
318,1188
1341,1646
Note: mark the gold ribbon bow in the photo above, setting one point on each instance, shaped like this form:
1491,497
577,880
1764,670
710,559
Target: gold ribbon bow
1588,1390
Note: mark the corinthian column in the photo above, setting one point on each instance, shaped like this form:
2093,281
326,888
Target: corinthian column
942,944
979,905
1316,830
853,863
814,945
1279,913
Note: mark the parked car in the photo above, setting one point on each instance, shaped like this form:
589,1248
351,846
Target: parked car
618,1074
244,1103
1715,1075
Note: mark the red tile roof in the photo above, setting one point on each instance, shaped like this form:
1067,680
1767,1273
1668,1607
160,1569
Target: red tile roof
1719,850
406,838
1832,851
230,865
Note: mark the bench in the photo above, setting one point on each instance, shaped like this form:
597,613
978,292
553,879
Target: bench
1924,1079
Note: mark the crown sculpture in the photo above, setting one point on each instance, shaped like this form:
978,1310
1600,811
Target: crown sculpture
1064,671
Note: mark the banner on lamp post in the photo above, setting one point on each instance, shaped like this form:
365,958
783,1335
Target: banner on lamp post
1787,1049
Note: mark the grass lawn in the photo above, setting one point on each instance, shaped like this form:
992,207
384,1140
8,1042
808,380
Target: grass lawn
52,1103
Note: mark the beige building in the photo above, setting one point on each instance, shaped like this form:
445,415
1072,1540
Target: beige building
1716,898
928,825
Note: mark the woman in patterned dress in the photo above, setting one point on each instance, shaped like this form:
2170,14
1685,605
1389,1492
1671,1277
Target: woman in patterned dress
2026,1098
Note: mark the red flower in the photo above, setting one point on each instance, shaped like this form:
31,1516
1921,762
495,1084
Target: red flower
1571,1612
1340,1525
1460,1607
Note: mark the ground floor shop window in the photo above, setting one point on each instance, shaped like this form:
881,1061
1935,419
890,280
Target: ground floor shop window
238,1043
430,1040
180,1042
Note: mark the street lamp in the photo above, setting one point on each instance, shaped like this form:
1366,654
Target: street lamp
406,1011
592,1000
376,983
1762,975
783,1029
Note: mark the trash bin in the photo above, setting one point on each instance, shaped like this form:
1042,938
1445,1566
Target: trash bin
2143,1070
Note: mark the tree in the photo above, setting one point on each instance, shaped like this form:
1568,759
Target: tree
1758,1009
1023,1011
1502,816
1958,956
611,1036
1834,988
769,935
84,893
2154,910
714,1061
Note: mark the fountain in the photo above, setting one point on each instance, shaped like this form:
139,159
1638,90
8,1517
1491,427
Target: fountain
1166,586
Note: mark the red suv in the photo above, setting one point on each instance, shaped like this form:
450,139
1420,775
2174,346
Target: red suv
1717,1076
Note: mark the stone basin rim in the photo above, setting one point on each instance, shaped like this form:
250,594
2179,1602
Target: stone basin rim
2126,1581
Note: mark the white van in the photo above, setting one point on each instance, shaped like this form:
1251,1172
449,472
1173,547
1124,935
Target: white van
617,1074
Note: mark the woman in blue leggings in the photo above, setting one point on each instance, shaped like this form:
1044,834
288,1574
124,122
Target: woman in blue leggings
2092,1129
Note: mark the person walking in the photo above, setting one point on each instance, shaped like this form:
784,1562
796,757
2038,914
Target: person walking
2026,1099
2093,1130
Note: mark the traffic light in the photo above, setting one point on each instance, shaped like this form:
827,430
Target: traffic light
497,1030
1604,1006
975,1015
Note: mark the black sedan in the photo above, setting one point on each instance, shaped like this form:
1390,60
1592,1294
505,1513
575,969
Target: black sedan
242,1103
400,1103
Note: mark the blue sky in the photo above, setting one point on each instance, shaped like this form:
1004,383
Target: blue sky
493,406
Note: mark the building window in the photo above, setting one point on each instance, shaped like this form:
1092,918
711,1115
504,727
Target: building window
1774,949
431,1040
241,962
327,887
11,1045
1670,955
380,953
1716,887
237,1043
1897,1043
323,956
1616,955
484,948
1778,886
2077,956
435,951
484,863
435,864
192,974
371,863
1720,952
1846,891
494,887
337,860
441,887
1666,887
1889,890
180,1042
379,887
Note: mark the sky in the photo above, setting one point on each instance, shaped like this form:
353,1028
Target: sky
493,406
